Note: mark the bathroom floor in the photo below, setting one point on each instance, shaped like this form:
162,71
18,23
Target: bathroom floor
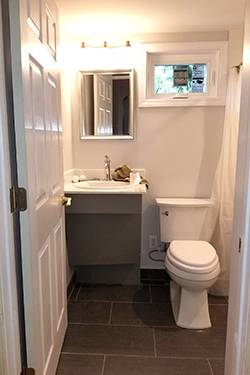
130,330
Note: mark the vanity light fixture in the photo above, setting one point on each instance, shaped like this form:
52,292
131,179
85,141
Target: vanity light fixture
105,45
107,54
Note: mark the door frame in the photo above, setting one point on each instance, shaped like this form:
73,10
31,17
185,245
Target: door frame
10,359
239,302
237,345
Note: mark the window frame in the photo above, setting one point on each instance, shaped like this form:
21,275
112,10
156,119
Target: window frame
214,54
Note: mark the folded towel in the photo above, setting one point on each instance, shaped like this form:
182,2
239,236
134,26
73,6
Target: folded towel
122,173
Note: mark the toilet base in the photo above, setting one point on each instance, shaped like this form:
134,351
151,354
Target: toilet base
190,307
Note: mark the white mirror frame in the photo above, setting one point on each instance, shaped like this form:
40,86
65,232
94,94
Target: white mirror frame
131,136
214,54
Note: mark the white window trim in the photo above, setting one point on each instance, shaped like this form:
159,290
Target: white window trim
214,54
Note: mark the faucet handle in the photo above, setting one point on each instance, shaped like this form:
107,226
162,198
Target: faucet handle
107,158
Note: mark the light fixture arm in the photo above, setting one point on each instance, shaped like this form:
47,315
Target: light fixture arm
105,45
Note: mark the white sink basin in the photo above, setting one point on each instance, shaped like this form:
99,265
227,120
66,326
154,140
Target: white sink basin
102,185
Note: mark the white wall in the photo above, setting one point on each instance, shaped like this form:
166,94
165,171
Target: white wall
178,147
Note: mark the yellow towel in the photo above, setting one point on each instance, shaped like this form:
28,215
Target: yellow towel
122,173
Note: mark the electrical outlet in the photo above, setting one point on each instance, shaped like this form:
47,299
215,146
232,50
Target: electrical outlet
153,242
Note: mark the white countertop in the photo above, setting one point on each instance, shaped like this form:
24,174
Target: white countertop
70,188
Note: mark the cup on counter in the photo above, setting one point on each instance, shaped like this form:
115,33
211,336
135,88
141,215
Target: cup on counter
134,178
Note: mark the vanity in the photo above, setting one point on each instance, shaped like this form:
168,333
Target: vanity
103,224
103,232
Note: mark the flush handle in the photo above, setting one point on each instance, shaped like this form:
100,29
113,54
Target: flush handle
166,213
66,201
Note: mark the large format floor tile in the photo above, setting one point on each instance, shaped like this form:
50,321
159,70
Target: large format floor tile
124,293
142,314
155,366
217,300
218,315
75,291
130,330
186,343
78,364
217,366
89,312
107,339
160,294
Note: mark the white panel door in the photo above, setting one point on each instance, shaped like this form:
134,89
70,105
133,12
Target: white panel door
44,257
103,104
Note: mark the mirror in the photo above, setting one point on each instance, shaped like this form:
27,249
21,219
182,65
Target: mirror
107,104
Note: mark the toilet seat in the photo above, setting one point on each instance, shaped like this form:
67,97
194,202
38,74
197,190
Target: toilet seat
196,257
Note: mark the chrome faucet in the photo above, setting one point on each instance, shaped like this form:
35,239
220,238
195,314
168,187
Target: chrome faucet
107,168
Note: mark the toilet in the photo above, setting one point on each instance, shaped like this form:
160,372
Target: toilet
191,261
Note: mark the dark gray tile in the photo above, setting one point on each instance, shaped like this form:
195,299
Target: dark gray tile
187,343
109,339
75,291
218,315
132,293
145,273
217,366
153,282
157,274
142,313
70,287
79,364
217,300
155,366
89,312
160,294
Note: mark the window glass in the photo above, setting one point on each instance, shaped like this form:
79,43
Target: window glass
172,79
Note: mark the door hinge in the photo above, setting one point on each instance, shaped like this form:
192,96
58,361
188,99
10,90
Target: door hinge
18,199
240,243
28,371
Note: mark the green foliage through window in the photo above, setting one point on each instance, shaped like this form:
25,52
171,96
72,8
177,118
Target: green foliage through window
196,80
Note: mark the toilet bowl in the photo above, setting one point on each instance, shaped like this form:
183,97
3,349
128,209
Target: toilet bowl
193,267
191,261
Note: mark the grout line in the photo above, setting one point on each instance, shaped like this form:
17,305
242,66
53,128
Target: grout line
136,325
209,364
73,353
150,294
138,302
71,292
110,313
132,302
103,365
77,295
192,330
139,356
154,342
117,325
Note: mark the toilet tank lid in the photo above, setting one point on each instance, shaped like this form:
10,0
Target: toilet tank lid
183,202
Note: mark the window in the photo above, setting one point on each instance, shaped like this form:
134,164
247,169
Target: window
183,74
173,79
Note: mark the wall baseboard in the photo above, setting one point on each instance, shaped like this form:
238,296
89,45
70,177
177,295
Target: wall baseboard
154,276
71,285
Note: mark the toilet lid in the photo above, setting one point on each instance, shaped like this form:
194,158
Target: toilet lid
193,256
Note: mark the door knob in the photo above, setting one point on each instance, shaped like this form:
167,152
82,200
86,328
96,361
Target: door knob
66,201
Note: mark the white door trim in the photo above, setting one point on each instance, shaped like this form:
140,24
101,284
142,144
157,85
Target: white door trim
239,295
10,362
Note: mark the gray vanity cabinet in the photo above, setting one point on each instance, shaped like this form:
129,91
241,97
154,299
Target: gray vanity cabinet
103,235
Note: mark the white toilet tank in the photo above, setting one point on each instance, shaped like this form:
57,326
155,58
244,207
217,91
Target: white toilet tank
184,219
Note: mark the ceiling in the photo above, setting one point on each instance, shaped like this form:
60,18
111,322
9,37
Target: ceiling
82,17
